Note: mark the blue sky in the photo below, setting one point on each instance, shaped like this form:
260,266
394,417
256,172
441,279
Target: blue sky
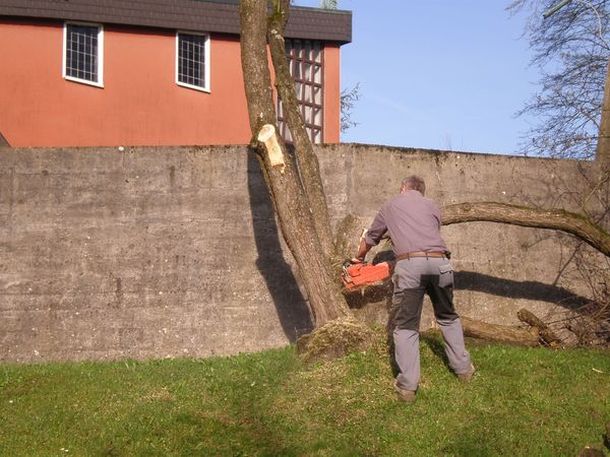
439,74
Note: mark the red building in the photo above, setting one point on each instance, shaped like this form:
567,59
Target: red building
150,72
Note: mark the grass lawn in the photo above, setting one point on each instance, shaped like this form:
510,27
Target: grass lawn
522,402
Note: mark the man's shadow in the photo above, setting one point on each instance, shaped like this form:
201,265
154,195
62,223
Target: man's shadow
292,309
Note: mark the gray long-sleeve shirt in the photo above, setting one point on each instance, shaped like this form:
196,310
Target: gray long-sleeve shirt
412,221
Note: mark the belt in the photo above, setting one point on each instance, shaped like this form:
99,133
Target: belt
433,254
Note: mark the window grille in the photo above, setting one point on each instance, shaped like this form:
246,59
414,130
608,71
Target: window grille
82,56
192,55
305,61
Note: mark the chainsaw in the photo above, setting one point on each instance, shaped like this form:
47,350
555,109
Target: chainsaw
356,276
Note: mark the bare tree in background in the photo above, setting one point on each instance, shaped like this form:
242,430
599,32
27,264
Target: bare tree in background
329,4
571,49
348,100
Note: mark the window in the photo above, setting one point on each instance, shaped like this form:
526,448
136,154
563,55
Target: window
305,60
83,53
193,56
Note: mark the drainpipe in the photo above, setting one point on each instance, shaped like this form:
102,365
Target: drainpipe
602,156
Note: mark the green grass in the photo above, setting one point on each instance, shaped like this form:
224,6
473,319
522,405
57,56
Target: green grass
522,402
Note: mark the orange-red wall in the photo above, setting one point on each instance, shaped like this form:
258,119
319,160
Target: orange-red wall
140,103
332,93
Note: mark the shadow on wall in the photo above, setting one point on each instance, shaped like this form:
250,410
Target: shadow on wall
3,141
492,285
292,308
478,282
529,290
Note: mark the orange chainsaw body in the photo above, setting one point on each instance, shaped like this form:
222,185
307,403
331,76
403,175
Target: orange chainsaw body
358,275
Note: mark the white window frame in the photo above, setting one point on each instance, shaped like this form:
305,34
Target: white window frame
100,56
207,86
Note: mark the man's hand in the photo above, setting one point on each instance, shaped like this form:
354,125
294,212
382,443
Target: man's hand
363,248
354,260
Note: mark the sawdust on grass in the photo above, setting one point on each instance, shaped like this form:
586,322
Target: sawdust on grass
335,339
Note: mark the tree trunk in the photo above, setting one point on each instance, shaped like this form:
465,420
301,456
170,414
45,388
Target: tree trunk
602,156
309,168
565,221
295,218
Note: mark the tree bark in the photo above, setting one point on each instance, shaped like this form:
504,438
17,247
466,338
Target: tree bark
308,166
564,221
295,218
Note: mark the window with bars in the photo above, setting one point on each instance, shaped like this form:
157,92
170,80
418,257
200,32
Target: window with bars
83,53
305,60
192,60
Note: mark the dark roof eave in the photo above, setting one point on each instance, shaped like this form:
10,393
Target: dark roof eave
219,17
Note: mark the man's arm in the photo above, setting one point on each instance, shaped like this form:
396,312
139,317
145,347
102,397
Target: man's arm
372,236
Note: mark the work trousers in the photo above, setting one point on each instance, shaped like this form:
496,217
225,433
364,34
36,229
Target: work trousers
412,279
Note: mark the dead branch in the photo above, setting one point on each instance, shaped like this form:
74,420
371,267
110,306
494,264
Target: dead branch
547,336
565,221
500,333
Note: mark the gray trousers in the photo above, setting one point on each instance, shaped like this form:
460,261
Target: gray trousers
412,279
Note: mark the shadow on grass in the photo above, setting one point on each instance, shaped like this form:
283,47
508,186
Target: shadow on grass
473,443
434,340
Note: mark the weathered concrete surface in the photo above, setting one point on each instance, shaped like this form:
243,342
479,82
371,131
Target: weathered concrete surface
155,252
142,253
500,268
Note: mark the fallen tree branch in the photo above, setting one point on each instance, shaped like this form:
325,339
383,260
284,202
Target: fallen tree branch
565,221
547,336
501,333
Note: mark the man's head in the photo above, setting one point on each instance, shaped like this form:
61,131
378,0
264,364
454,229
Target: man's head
413,182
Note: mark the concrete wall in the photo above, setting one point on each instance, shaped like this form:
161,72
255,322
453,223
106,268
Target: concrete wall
156,252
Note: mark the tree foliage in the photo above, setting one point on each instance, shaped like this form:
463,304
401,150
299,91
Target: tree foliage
328,4
571,49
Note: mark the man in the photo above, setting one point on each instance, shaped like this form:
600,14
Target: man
413,223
